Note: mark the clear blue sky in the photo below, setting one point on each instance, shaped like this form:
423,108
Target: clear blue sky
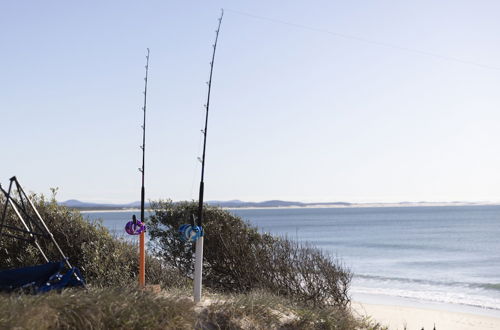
298,111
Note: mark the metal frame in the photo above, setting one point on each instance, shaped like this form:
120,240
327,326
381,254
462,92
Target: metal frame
33,226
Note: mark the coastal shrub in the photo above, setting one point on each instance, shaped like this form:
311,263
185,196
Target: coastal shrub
237,258
103,259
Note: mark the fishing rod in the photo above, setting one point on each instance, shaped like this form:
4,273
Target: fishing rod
199,221
142,252
143,147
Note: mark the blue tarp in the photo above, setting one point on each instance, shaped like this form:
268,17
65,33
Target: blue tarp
40,278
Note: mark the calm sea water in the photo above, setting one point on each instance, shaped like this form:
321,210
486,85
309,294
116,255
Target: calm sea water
448,254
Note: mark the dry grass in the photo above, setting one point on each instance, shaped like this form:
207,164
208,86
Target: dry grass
122,308
262,310
110,308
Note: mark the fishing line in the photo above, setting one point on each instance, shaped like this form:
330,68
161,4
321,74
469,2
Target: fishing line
367,41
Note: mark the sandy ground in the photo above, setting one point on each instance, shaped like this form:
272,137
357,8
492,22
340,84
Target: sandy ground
397,317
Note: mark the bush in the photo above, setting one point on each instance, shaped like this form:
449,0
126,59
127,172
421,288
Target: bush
103,259
237,258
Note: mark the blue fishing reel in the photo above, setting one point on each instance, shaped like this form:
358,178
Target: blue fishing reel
190,233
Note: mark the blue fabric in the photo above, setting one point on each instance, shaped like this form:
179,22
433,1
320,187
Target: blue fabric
60,281
41,278
12,279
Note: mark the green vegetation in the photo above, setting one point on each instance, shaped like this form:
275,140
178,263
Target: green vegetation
102,259
237,258
309,290
125,308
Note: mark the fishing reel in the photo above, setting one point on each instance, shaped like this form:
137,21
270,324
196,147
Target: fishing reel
190,232
135,227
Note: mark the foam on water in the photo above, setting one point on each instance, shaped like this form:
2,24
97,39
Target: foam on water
470,294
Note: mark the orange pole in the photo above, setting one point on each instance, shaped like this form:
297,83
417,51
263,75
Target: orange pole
142,261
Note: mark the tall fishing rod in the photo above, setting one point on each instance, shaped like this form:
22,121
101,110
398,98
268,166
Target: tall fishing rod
199,242
142,253
143,147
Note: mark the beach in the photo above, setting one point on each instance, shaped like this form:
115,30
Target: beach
397,317
420,265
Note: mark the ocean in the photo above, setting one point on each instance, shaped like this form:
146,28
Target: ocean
436,254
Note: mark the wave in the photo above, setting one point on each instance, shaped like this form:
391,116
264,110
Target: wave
455,298
491,286
472,285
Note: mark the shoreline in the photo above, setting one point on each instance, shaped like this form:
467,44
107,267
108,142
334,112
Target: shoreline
360,206
398,317
398,312
319,206
389,300
111,210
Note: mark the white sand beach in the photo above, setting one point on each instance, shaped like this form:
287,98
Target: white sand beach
397,317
